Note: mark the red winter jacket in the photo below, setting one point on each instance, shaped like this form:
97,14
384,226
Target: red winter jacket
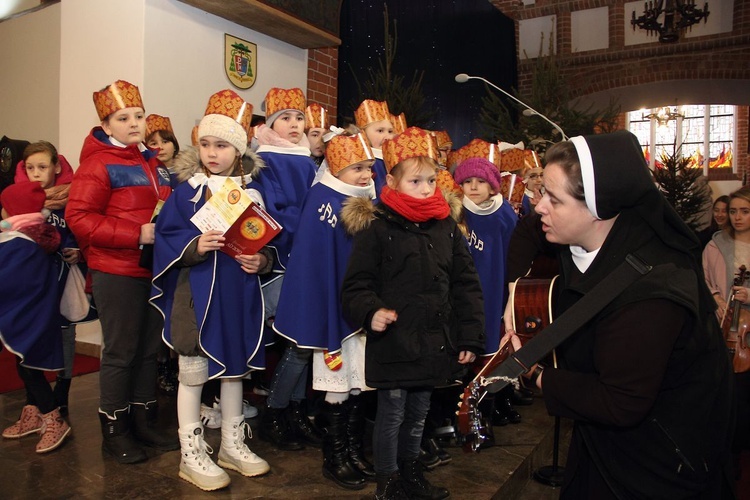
114,192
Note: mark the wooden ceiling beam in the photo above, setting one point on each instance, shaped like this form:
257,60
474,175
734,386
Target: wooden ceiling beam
265,19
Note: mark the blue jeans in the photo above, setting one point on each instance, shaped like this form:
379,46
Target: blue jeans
290,377
399,424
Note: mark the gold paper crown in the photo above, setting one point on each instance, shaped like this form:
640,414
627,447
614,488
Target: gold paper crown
511,159
531,159
371,111
229,103
399,123
446,182
119,95
343,151
158,122
512,187
283,99
478,148
454,158
194,136
316,116
443,139
411,143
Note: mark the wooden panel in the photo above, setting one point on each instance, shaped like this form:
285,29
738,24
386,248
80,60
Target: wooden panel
272,22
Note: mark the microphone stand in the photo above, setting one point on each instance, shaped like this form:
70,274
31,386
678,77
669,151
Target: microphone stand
463,78
552,475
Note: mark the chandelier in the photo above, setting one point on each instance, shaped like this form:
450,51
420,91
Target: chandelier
663,115
677,16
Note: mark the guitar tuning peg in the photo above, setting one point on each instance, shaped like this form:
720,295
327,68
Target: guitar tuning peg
456,413
459,404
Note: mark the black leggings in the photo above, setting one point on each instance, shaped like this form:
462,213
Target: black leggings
38,390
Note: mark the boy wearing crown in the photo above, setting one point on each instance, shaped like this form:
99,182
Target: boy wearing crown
310,313
116,192
374,119
316,125
286,180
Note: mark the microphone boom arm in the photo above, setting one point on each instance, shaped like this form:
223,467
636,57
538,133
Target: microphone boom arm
463,77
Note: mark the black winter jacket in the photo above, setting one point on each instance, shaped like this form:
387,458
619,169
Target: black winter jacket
426,274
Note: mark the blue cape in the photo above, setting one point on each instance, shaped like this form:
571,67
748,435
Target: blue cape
228,303
309,311
286,180
29,319
488,237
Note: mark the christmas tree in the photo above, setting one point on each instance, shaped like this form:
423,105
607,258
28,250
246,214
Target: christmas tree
684,187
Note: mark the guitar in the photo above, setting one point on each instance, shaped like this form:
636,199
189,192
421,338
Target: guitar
735,324
531,306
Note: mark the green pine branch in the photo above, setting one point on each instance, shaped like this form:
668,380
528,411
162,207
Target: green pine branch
382,84
684,187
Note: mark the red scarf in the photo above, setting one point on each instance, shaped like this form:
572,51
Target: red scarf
416,209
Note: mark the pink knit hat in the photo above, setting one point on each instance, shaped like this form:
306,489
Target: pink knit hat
481,168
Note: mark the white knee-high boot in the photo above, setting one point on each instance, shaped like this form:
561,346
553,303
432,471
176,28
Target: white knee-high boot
196,465
234,453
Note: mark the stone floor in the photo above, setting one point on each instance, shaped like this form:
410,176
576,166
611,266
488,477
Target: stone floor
79,470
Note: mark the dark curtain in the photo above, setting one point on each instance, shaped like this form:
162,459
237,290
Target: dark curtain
441,37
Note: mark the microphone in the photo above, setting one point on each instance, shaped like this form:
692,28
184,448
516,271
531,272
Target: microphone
463,78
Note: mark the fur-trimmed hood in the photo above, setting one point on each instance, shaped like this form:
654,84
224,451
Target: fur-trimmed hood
188,163
358,213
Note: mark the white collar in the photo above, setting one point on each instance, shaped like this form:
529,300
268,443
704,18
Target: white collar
377,153
115,142
581,258
497,202
334,183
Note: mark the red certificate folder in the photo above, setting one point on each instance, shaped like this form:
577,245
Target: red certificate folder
250,232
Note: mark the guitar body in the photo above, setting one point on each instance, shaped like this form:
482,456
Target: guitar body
532,304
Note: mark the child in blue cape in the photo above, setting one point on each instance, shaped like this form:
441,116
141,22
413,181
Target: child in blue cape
29,322
310,312
374,119
41,163
489,221
287,178
211,302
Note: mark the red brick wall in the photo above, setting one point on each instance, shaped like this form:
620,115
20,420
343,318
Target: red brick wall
724,56
322,78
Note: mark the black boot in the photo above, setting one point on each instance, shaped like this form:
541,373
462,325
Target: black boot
336,465
390,488
489,408
302,427
506,410
522,396
60,392
274,429
118,441
355,432
416,485
144,416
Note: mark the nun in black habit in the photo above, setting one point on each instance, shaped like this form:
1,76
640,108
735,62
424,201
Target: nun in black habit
647,381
